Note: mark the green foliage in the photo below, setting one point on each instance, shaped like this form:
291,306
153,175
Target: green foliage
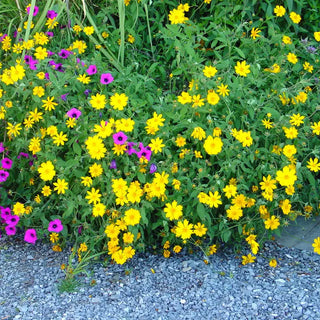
215,97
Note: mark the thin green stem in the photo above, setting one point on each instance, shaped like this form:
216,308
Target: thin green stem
122,13
149,29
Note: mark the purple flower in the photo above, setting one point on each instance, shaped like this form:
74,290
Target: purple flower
153,168
87,91
1,38
64,54
27,59
74,113
55,226
50,53
33,65
106,78
30,236
3,175
15,34
51,14
1,147
22,154
6,163
50,34
35,11
5,213
311,49
130,150
119,138
64,96
91,70
10,230
113,164
47,76
144,152
12,220
80,229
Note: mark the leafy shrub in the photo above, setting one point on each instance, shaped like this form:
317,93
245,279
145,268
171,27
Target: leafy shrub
202,131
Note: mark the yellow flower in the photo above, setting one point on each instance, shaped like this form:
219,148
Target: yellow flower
41,53
316,245
316,128
291,57
213,145
59,139
98,101
95,170
255,33
272,223
286,40
209,71
173,210
118,101
88,30
248,259
184,229
132,217
83,78
223,90
156,145
296,18
60,186
313,165
48,104
200,229
212,97
317,35
242,68
47,171
279,11
46,191
131,38
199,133
38,91
86,181
93,196
177,16
273,263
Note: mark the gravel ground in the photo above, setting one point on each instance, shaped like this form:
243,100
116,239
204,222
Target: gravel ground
181,287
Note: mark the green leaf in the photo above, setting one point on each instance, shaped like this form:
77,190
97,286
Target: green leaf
202,213
225,235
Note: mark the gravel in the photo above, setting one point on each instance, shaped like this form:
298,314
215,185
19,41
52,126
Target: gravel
152,287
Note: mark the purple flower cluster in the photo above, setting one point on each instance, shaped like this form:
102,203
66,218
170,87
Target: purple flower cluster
6,164
32,63
10,220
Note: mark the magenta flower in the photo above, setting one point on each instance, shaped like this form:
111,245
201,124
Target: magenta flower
50,34
35,11
12,220
106,78
5,213
64,54
6,163
1,147
74,113
10,230
55,226
51,14
130,150
91,70
30,236
23,154
119,138
3,175
144,152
